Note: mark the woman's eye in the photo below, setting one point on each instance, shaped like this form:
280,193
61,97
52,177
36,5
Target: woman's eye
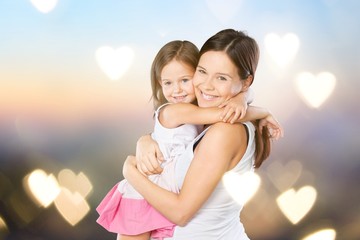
222,78
201,71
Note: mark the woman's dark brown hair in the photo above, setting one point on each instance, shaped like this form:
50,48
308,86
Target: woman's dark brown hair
244,53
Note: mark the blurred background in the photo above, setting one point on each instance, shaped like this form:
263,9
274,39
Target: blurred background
75,91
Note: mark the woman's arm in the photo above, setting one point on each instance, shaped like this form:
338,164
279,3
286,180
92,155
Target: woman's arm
220,147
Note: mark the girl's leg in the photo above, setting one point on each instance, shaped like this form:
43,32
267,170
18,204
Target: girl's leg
143,236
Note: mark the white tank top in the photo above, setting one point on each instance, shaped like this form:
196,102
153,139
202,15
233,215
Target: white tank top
172,143
219,217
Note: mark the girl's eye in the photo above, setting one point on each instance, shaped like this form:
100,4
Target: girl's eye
167,83
185,80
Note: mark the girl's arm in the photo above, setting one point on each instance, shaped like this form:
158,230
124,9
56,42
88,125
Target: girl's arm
235,107
174,115
232,110
215,154
149,155
177,114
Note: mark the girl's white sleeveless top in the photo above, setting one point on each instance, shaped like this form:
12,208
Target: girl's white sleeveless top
172,143
219,217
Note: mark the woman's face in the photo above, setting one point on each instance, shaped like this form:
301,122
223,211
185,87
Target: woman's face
216,79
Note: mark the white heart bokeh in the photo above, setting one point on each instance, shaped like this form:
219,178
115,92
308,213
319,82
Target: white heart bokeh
282,49
72,206
44,6
315,89
324,234
296,204
283,176
43,187
223,10
241,187
75,183
114,62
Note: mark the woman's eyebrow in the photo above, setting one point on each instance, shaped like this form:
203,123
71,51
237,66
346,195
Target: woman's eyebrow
220,73
226,74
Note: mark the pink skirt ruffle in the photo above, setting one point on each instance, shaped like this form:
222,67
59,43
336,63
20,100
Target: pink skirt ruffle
132,216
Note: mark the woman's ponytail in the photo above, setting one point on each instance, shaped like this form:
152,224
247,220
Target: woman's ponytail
263,144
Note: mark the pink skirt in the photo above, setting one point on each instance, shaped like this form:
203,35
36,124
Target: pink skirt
132,216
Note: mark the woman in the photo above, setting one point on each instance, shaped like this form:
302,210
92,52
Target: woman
204,209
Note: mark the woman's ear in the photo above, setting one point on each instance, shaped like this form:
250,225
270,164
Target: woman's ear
247,82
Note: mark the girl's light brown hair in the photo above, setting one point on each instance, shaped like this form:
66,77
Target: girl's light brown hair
182,51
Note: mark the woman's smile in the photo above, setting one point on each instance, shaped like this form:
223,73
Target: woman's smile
208,97
216,79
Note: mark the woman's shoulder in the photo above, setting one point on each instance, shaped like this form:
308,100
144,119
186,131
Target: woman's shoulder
227,132
225,141
226,127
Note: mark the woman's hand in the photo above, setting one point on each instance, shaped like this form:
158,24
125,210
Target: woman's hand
275,129
148,156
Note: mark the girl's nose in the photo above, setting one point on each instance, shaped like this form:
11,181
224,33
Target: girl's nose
177,87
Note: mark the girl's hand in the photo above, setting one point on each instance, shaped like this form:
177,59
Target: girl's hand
234,108
148,156
275,129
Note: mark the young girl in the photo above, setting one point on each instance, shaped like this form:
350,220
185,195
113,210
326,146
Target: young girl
123,210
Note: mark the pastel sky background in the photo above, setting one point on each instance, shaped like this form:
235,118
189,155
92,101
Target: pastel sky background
60,110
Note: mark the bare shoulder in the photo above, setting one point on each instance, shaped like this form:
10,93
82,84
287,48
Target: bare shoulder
223,145
226,134
227,130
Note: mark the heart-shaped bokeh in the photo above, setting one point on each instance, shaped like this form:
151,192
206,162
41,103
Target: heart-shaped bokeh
75,183
241,187
282,49
43,187
72,206
283,176
324,234
224,10
114,62
315,89
296,204
44,6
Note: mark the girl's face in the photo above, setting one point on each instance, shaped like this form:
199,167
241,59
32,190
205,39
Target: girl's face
176,82
216,79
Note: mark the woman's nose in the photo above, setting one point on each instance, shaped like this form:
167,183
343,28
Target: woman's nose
207,83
